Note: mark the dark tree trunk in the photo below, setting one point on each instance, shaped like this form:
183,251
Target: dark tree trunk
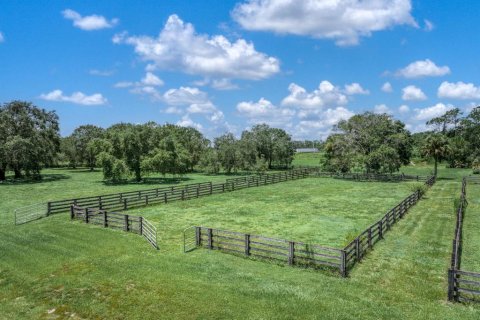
18,173
2,174
138,175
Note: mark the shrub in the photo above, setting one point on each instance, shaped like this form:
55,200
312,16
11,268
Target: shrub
418,187
476,166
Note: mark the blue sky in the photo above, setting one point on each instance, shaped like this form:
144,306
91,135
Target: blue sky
225,65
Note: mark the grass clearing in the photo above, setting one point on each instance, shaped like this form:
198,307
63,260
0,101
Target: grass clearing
57,269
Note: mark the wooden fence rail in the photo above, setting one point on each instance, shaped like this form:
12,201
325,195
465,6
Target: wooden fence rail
115,220
299,253
278,250
357,249
463,286
135,199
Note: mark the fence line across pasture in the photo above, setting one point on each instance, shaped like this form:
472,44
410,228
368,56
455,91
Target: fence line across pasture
463,286
115,220
298,253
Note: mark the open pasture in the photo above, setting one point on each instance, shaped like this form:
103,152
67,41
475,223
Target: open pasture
57,269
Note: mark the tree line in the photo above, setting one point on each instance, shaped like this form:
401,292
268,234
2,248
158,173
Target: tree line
30,140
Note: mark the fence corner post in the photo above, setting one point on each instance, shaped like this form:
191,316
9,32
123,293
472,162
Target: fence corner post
451,285
127,227
210,238
198,236
343,264
141,225
105,219
357,248
291,252
72,212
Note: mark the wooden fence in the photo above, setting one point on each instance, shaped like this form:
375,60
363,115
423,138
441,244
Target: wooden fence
299,253
463,286
134,199
278,250
125,222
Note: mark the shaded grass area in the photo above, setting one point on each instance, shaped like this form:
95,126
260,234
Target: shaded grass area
322,211
57,269
471,230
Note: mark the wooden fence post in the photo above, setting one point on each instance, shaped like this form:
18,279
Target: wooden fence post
211,188
141,225
72,212
49,208
127,228
291,252
183,194
370,237
146,200
125,206
210,238
86,215
247,244
105,219
100,202
357,248
343,264
451,285
198,192
198,236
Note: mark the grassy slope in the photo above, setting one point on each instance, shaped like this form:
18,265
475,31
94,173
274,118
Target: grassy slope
471,226
72,268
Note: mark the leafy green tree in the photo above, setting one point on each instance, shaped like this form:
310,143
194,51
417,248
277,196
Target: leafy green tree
228,152
114,169
82,136
29,138
370,142
210,162
436,147
94,148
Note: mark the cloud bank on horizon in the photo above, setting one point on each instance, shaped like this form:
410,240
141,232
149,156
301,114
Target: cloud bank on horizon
298,65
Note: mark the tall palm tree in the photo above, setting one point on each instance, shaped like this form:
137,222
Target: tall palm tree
435,146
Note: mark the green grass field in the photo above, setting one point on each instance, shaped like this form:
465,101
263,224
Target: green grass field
471,226
57,269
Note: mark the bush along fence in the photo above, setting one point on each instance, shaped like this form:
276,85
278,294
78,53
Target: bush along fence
278,250
463,286
299,253
125,222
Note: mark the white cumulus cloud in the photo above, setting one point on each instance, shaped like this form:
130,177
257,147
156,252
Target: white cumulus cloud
382,108
423,68
355,88
432,112
325,95
344,21
403,109
89,23
146,86
178,47
458,90
413,93
387,87
264,111
76,97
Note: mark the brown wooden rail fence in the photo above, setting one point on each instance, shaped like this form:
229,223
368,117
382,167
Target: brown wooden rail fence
463,286
299,253
357,248
278,250
115,220
135,199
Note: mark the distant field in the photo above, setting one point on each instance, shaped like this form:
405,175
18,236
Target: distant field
57,269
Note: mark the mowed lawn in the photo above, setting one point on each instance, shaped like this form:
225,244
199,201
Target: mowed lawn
322,211
57,269
471,230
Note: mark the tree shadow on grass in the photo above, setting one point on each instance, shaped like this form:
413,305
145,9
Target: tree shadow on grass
44,178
